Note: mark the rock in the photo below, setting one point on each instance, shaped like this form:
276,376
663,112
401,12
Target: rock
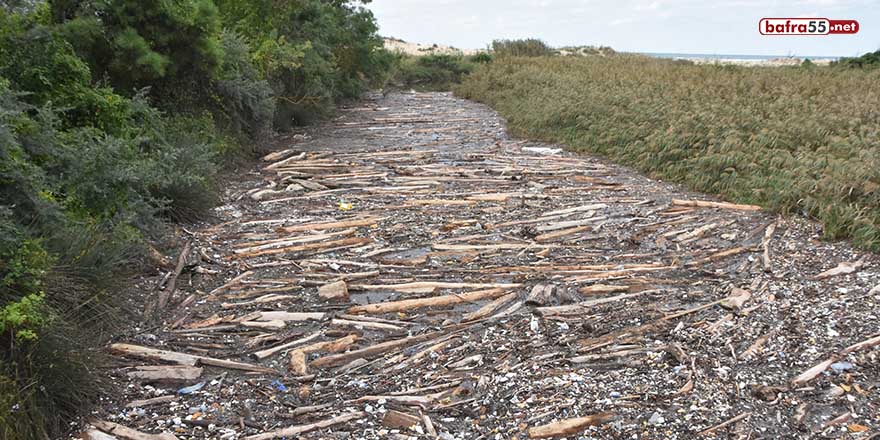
337,291
656,419
399,420
842,366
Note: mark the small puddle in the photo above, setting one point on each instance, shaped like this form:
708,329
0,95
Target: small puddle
371,296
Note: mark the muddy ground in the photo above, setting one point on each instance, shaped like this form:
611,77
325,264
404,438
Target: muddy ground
476,286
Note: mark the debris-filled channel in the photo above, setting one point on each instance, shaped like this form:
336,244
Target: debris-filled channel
408,271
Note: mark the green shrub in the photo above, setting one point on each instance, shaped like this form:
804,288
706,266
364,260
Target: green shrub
245,100
170,47
313,53
868,60
481,58
529,47
793,140
431,72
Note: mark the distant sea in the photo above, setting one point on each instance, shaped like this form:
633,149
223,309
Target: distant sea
730,56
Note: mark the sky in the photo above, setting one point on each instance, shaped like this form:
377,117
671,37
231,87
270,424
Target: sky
678,26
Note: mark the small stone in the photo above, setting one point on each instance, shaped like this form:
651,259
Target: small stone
656,419
842,366
337,291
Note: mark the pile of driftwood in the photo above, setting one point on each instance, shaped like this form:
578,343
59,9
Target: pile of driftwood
437,282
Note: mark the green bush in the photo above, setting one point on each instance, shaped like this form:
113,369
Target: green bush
431,72
868,60
172,47
313,53
529,47
481,58
790,139
245,100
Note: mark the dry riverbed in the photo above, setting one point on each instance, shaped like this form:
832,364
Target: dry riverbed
409,271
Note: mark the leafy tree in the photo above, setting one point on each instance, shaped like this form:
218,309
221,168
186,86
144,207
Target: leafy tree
171,46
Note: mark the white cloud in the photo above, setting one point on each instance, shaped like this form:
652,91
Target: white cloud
620,21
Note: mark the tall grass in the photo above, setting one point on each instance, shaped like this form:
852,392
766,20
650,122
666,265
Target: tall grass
795,140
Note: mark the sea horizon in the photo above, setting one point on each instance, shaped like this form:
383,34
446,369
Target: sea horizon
733,56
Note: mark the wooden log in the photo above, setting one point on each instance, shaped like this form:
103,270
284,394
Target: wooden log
94,434
166,295
698,232
812,372
261,300
418,356
437,301
717,256
399,420
540,295
429,426
439,202
262,354
420,401
286,161
365,221
730,421
721,205
819,368
231,282
290,316
842,268
582,208
298,364
768,235
127,433
567,427
599,289
151,402
736,299
550,236
867,343
756,346
299,357
233,365
322,245
294,431
360,318
584,305
165,373
491,307
568,224
366,324
337,291
256,246
613,355
374,350
272,325
490,247
153,354
431,286
279,155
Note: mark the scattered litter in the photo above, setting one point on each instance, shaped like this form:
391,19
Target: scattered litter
191,389
842,366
